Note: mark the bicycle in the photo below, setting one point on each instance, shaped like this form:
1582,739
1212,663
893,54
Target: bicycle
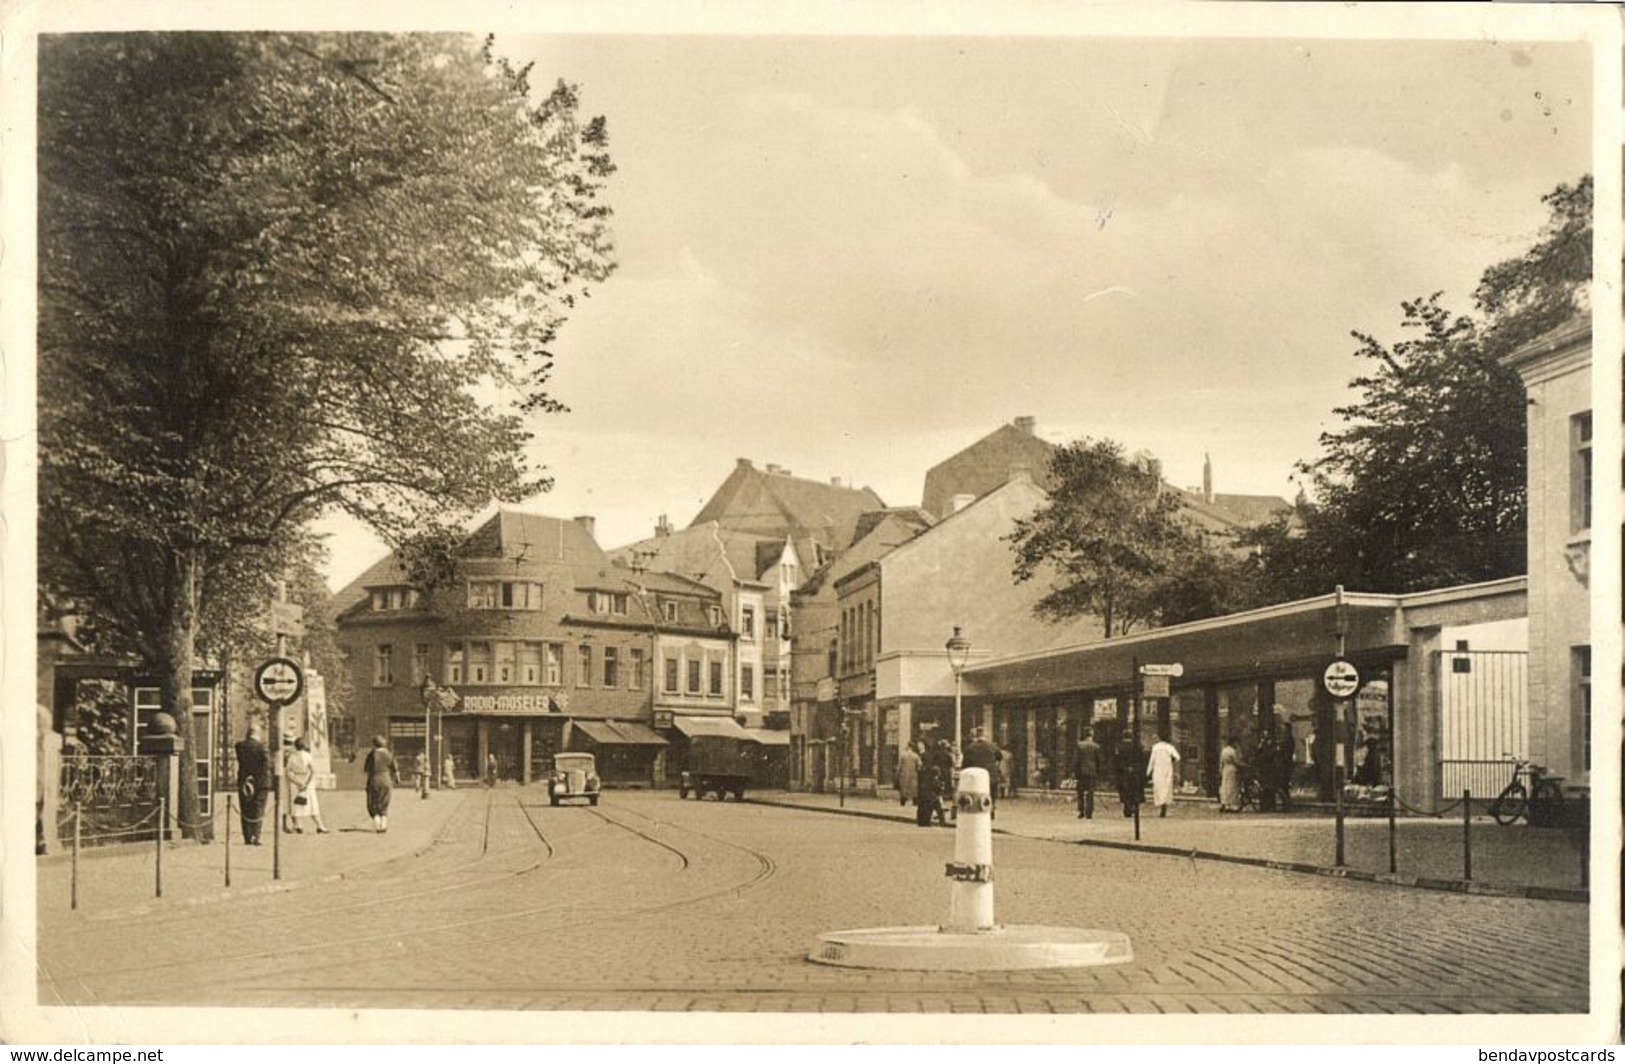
1515,799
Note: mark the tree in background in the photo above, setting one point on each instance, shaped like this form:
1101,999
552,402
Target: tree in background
275,273
1108,533
1424,485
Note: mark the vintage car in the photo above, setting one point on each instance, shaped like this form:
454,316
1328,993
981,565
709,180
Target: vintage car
574,776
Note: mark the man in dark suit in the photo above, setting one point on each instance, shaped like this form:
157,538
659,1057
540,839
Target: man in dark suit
253,783
979,753
1085,770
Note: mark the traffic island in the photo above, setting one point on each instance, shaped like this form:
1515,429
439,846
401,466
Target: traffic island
970,940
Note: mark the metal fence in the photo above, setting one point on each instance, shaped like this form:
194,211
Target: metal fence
117,797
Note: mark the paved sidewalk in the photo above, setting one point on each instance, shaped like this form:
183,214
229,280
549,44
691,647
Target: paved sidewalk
120,881
1517,860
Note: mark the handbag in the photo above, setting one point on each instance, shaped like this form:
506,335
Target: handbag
301,799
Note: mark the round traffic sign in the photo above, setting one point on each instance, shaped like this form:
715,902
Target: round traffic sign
1341,679
279,681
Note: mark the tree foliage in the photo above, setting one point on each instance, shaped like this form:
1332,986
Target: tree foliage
1107,537
277,273
1423,485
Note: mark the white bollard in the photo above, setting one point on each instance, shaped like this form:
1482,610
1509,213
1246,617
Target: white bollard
970,904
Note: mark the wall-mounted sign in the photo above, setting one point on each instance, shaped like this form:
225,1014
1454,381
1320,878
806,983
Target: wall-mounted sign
525,703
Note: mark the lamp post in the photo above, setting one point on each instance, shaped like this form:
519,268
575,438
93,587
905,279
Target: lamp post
958,653
429,700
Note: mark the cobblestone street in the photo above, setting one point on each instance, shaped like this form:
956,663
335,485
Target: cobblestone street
493,900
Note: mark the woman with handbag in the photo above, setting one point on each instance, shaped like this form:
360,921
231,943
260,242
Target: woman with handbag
302,785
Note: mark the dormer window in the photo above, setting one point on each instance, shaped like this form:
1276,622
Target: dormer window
504,595
668,610
715,613
386,599
607,602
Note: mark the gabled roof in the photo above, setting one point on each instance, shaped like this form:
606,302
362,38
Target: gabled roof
385,572
707,553
774,503
986,464
1234,511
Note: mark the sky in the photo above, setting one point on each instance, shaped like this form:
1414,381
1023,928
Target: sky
852,256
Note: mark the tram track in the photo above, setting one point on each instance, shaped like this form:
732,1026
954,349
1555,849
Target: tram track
537,921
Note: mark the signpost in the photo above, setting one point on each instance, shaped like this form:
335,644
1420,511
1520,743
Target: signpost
278,682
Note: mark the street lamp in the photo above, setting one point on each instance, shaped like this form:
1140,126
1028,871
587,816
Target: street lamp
958,653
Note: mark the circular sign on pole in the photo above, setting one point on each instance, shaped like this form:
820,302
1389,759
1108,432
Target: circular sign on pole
279,681
1341,679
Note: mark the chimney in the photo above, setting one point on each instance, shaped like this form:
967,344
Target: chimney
960,502
586,521
834,482
662,526
1026,424
1207,478
771,468
743,463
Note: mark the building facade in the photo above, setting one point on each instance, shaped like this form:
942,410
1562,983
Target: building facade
538,645
1556,372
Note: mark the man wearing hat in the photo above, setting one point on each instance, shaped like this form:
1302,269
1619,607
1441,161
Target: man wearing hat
253,783
979,753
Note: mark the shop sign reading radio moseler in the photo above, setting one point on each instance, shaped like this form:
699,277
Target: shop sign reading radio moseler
279,681
1341,679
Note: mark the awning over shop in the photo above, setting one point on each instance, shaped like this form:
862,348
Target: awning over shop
724,726
619,733
768,736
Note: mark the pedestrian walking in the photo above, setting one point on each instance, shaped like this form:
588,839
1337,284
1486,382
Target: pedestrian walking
1160,771
1230,775
421,764
908,775
448,773
1007,773
948,760
928,787
382,775
979,753
1085,770
491,770
302,786
253,783
1130,775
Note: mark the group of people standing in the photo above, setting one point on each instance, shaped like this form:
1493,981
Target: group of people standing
925,776
254,783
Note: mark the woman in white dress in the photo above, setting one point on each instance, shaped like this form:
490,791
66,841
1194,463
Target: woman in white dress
302,787
1161,774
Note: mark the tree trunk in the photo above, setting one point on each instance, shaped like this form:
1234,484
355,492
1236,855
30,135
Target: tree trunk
176,668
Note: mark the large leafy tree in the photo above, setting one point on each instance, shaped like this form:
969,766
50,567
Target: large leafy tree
1423,484
277,274
1107,538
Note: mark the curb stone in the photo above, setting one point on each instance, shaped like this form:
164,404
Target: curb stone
1451,886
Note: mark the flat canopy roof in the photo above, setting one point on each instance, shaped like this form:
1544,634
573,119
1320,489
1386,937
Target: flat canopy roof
768,736
1293,638
620,733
